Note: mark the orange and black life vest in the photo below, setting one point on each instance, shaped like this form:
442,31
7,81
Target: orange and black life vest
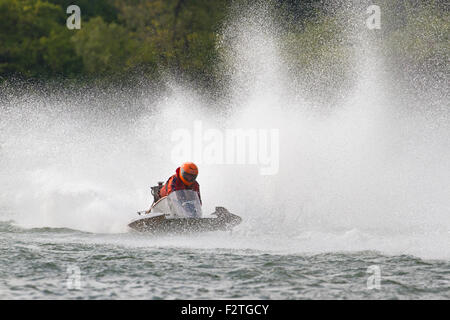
174,183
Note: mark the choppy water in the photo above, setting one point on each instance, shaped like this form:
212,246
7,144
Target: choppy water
44,263
363,182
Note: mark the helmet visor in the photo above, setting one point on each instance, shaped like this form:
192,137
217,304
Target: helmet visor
188,177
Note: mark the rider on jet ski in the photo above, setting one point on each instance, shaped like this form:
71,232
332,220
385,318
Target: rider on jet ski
184,178
176,207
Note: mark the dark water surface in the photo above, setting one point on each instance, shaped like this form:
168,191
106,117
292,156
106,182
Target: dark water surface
49,263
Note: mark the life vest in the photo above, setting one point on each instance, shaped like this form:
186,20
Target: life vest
174,183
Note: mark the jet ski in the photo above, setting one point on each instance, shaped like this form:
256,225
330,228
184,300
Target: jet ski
181,212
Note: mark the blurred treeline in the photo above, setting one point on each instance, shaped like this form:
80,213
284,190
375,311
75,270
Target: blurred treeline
119,37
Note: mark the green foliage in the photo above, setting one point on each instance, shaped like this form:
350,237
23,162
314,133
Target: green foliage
59,54
103,47
173,33
318,39
25,29
121,36
425,36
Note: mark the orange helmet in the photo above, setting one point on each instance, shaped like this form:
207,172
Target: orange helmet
188,173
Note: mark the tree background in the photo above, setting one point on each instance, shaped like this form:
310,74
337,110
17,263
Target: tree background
121,37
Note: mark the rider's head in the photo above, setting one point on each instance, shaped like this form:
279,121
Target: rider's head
188,173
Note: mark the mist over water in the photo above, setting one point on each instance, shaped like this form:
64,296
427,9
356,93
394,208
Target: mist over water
369,172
